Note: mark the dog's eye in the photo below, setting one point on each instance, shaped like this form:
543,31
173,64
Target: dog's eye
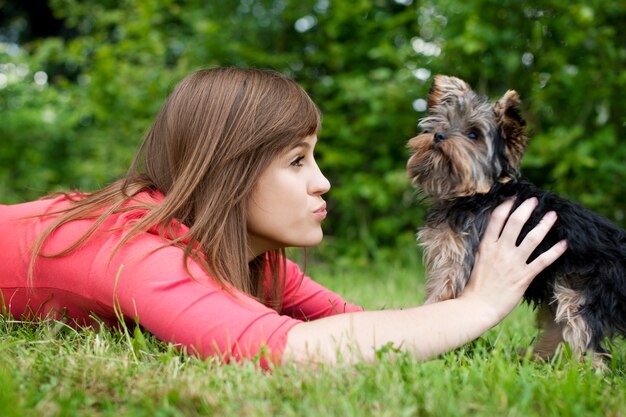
472,135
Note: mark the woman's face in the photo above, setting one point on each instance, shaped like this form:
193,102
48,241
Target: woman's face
286,207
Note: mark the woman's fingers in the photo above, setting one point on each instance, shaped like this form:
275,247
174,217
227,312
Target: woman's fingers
547,258
497,221
501,273
508,228
538,233
517,220
534,237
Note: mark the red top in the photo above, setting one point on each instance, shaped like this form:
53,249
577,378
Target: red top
151,286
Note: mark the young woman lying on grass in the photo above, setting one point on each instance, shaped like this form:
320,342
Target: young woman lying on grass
191,242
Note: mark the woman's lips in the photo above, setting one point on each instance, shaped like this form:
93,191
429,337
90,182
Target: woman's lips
321,212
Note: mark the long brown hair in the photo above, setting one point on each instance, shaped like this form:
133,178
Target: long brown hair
217,132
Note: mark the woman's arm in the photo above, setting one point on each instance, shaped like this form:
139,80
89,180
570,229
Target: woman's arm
305,299
499,279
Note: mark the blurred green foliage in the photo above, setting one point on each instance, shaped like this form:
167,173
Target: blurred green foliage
74,107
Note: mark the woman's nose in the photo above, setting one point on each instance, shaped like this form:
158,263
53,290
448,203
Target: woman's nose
319,183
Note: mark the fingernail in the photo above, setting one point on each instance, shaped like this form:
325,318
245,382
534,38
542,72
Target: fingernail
551,215
563,243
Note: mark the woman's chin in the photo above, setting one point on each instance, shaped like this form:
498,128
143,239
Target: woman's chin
312,241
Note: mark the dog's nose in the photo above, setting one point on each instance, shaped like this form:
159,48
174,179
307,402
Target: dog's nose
439,137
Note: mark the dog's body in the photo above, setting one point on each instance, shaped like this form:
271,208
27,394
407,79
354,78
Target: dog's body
466,161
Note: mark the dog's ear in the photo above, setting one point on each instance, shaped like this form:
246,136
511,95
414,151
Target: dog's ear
512,129
445,87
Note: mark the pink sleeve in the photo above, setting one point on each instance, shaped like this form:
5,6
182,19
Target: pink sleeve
145,281
150,284
196,313
305,299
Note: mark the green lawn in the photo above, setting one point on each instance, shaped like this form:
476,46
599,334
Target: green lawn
51,370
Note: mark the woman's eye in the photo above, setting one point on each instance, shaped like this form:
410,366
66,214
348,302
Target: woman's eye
297,162
472,135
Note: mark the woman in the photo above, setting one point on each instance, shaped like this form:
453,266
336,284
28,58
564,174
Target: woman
191,242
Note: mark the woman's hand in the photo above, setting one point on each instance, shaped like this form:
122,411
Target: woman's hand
501,273
500,276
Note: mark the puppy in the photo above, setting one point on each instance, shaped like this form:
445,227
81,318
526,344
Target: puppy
466,161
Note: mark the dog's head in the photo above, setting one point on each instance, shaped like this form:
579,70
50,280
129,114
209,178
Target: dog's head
467,144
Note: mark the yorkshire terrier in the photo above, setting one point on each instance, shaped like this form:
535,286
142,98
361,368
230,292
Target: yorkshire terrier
466,161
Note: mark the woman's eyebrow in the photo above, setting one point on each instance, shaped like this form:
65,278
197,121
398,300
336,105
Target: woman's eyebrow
301,144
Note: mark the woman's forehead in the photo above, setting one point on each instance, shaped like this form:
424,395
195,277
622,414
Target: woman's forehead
305,142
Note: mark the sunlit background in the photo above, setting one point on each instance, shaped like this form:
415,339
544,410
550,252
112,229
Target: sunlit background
80,82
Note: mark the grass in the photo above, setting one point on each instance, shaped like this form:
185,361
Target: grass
49,369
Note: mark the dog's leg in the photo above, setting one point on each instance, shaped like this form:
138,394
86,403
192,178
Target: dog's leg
551,333
576,332
445,261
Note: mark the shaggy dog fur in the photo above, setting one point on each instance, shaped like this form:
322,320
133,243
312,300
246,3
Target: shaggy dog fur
467,161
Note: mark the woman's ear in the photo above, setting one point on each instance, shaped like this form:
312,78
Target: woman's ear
512,128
